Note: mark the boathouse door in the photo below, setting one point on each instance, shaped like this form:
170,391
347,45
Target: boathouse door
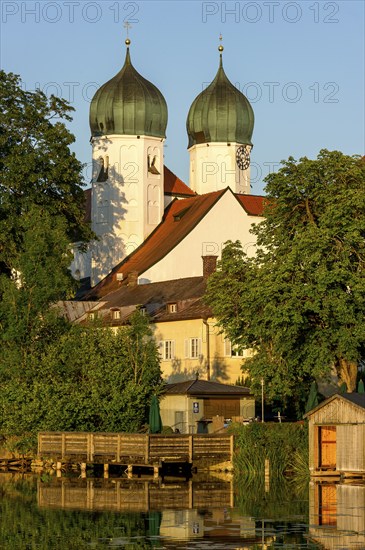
327,446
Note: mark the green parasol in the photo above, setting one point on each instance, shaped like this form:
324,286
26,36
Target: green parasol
154,416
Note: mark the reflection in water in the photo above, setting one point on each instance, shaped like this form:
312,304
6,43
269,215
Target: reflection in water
65,514
337,515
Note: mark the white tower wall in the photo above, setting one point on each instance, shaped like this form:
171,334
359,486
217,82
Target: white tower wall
213,167
127,197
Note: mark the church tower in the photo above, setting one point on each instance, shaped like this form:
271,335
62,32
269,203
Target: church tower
220,125
128,119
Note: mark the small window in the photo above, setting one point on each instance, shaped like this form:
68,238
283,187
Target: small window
167,350
193,348
233,351
116,313
172,308
92,315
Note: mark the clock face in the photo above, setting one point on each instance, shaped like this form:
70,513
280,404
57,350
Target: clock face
243,157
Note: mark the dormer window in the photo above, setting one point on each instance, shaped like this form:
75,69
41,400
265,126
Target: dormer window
172,308
116,314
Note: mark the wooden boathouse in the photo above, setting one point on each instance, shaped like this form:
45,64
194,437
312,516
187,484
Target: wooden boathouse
337,436
157,451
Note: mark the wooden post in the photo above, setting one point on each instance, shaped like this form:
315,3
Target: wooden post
130,471
147,449
191,448
191,496
83,470
89,494
155,472
63,445
231,448
106,471
118,447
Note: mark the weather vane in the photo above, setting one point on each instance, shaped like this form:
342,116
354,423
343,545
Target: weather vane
127,26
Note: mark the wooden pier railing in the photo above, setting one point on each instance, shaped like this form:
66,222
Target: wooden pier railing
123,448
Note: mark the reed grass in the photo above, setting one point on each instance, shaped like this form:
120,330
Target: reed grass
284,445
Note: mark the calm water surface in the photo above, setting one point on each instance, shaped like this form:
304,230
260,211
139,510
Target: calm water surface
49,513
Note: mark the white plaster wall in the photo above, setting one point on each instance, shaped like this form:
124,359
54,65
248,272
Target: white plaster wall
129,205
213,167
227,220
81,264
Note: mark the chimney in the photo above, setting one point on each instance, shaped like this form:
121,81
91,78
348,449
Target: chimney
132,279
209,265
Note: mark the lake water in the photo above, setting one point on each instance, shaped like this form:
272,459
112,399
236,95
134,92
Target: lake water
47,513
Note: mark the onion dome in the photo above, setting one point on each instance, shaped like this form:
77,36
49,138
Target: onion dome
220,113
128,104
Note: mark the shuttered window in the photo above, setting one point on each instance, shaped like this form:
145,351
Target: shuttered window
232,351
167,349
193,348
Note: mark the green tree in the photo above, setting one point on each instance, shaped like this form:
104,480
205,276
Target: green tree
41,213
36,165
89,378
41,276
300,302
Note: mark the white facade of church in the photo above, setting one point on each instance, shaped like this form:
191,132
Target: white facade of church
128,118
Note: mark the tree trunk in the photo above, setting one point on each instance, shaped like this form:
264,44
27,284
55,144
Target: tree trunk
348,373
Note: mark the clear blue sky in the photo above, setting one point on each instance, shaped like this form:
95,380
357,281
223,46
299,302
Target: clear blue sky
300,63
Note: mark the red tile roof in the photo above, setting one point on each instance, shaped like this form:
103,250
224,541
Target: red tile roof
175,186
253,204
180,218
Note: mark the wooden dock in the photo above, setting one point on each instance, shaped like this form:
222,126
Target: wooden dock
137,496
203,451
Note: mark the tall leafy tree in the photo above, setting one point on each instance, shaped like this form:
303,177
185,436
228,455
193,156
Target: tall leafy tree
300,302
40,277
41,213
37,167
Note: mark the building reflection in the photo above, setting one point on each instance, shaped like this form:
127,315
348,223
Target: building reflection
337,514
187,511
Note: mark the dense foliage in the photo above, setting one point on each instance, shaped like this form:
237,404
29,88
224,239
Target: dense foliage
300,302
37,167
41,213
88,379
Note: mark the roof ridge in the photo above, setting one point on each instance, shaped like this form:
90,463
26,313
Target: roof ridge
204,202
192,384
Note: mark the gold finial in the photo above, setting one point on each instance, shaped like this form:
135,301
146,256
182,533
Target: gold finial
220,47
127,26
